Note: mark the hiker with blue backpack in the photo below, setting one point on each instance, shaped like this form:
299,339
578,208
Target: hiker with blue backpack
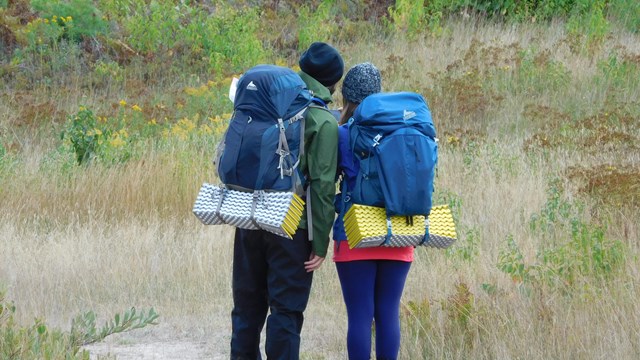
373,278
272,274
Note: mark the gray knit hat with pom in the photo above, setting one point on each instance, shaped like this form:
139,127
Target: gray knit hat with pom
361,81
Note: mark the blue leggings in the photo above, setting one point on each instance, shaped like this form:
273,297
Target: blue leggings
372,290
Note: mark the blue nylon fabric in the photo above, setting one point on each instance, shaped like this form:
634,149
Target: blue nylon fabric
349,167
279,92
398,172
383,113
265,94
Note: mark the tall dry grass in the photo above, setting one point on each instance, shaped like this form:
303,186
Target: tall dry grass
106,238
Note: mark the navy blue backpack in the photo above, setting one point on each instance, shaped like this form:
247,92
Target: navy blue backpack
393,137
262,147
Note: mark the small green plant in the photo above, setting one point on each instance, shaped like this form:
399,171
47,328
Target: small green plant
227,41
84,330
588,26
38,341
90,137
573,249
84,135
7,161
627,13
417,316
460,305
154,27
3,153
108,71
76,18
617,73
467,248
538,72
511,261
555,209
412,18
315,24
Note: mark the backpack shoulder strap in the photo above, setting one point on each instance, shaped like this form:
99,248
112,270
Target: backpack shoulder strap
319,101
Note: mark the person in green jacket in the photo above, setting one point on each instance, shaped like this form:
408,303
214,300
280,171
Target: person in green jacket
272,274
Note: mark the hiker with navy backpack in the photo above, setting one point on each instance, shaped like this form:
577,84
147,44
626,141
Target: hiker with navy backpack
271,273
373,278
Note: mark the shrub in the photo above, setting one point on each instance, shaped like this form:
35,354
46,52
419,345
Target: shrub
77,18
38,341
411,17
573,249
91,137
315,24
627,13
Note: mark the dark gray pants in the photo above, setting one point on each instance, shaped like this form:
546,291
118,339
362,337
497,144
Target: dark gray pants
269,275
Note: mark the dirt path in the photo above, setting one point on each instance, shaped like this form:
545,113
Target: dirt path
173,350
160,342
164,342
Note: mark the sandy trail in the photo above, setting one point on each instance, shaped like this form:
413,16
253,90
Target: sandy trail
162,341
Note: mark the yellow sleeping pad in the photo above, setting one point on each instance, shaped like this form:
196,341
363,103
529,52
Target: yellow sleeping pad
366,226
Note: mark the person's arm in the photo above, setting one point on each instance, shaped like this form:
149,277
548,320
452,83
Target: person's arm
322,155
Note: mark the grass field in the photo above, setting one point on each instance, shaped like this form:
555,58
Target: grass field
539,160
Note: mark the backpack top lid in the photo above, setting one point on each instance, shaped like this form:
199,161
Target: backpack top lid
388,111
271,92
381,114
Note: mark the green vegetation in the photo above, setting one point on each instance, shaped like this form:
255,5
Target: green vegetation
111,111
38,341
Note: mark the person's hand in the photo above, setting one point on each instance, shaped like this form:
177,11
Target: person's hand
314,262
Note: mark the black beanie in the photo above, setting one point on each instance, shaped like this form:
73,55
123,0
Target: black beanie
323,63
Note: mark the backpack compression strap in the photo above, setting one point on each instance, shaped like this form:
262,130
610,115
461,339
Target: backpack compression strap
283,146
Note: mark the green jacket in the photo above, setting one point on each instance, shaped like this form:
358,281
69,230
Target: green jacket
319,163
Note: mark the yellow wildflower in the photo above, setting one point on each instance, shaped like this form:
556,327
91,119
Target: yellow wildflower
116,142
69,18
186,124
136,108
205,129
179,132
123,133
46,21
123,103
152,122
97,131
82,108
453,140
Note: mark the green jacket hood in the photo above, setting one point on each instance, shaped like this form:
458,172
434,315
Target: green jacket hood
316,87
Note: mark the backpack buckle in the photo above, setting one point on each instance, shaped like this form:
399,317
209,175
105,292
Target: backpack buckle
376,140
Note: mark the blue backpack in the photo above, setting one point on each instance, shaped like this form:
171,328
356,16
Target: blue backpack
393,137
262,147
